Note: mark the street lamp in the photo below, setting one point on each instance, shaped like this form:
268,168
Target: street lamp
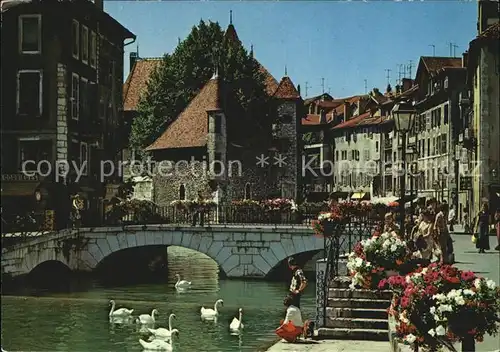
404,117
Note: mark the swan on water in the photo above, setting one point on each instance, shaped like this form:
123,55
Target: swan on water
121,312
158,345
181,284
237,323
208,313
146,318
162,332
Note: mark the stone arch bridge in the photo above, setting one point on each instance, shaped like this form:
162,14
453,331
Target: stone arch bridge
240,251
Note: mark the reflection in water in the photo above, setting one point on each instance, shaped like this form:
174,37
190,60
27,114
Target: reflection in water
79,321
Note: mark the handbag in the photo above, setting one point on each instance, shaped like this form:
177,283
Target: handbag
474,239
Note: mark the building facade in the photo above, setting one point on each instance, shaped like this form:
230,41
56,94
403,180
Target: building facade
480,134
62,70
440,81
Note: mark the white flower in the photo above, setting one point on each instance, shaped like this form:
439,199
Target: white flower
424,271
440,330
431,332
439,297
404,319
408,279
437,318
358,262
491,284
368,264
469,292
445,308
352,286
460,300
394,248
477,283
410,338
386,244
432,310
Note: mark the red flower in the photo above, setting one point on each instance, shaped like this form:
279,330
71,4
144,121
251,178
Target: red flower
468,276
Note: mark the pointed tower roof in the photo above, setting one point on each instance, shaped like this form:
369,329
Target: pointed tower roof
191,126
286,89
231,31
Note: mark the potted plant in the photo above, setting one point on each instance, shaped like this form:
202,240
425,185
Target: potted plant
376,258
438,305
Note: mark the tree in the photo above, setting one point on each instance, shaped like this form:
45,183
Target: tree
181,75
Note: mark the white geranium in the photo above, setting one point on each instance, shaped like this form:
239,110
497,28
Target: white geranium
468,292
459,300
410,338
477,283
432,332
394,248
491,284
439,297
445,308
440,330
432,310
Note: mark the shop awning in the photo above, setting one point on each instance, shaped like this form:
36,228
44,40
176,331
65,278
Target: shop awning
384,200
359,195
19,189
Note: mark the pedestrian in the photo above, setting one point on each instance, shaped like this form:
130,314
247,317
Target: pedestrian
292,326
497,225
482,228
451,217
423,240
466,222
298,282
199,210
442,235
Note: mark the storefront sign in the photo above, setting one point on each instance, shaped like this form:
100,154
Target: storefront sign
18,177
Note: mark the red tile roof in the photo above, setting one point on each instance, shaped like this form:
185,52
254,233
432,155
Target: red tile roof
136,83
353,122
191,126
314,119
433,64
286,89
270,82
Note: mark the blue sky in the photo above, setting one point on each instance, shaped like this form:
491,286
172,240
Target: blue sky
342,42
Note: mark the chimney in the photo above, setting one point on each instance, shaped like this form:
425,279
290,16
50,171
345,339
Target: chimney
298,89
133,58
322,116
465,59
346,110
407,84
398,89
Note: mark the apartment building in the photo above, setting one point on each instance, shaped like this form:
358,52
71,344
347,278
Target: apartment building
62,70
440,81
481,129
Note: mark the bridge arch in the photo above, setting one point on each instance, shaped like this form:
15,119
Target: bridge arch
239,251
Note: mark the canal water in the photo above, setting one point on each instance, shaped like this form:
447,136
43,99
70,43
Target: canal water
78,321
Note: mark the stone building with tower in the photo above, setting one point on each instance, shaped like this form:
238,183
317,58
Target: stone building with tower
62,72
207,148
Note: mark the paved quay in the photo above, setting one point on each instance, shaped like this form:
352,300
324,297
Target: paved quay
331,346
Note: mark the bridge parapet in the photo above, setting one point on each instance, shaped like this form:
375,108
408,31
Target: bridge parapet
240,251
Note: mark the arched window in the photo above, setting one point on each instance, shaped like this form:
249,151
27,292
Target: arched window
248,194
182,192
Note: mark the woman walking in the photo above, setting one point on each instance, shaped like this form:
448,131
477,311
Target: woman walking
442,233
423,237
497,225
483,227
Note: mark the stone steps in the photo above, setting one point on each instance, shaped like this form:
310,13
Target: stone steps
358,323
353,334
365,313
340,282
358,293
358,303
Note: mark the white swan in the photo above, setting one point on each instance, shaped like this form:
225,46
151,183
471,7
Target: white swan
162,332
237,324
158,345
122,312
181,285
146,318
208,313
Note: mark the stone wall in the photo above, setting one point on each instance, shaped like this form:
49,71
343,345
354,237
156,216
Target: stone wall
239,251
292,155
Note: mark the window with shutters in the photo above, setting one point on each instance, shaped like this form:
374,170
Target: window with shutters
85,44
428,125
444,144
445,114
29,92
75,96
75,32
